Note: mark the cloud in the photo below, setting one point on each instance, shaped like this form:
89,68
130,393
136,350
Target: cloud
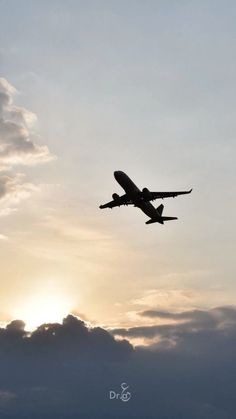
6,396
182,325
13,190
17,139
166,298
67,370
72,335
18,146
3,237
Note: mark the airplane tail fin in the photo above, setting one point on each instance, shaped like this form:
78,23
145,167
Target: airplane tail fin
160,209
159,219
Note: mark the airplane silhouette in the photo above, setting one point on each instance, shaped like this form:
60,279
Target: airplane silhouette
141,199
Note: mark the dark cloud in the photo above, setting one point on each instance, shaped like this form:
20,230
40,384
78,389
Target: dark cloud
185,323
52,371
67,370
72,337
219,312
185,315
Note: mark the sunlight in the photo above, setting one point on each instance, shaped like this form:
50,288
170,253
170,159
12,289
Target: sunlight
43,309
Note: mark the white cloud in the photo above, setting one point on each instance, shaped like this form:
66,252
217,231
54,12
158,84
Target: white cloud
166,298
12,190
17,139
18,146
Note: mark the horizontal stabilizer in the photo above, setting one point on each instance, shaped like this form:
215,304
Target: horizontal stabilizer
154,220
160,220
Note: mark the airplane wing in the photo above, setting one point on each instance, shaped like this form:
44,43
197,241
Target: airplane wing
117,202
151,196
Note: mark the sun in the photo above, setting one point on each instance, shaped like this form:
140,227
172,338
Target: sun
41,309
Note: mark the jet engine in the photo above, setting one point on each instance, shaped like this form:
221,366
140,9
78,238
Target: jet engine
146,194
116,197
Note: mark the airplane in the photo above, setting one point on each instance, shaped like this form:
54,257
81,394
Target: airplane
141,199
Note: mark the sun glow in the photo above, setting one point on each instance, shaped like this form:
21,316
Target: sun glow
43,309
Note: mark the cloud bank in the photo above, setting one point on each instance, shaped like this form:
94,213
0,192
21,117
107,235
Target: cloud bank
67,370
183,326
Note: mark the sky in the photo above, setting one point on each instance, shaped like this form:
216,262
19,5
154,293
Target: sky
87,88
147,89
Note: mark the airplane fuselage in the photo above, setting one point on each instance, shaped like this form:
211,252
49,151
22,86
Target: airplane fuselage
134,193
